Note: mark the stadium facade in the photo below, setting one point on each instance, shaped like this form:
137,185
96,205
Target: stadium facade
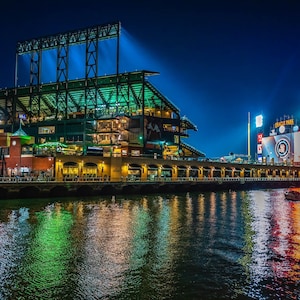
117,115
111,127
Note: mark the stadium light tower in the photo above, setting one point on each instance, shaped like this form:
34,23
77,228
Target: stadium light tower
249,129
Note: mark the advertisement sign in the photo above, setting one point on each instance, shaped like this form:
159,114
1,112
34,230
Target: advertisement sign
159,129
280,148
259,148
259,138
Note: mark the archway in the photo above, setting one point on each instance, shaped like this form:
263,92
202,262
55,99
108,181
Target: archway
152,172
134,172
70,170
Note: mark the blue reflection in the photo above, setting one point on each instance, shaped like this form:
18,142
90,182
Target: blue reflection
14,240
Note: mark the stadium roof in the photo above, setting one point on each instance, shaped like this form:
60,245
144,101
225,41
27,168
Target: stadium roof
127,91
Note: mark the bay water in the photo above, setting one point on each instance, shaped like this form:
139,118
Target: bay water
224,245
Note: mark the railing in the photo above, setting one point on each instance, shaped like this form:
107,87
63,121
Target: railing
28,179
219,180
216,179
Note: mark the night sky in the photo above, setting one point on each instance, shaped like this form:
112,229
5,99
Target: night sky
218,60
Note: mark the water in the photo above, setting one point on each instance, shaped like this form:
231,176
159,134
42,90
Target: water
231,245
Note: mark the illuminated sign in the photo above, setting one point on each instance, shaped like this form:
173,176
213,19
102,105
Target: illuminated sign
259,138
259,149
285,122
22,116
282,148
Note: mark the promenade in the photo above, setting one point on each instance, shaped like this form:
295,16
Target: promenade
29,187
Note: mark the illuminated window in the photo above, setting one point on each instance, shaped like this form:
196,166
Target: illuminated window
47,130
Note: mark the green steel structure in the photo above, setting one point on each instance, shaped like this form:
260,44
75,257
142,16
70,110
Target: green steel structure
119,114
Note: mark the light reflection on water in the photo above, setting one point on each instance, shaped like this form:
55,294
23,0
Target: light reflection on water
242,245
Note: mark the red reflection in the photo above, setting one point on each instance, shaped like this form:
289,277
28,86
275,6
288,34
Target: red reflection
285,240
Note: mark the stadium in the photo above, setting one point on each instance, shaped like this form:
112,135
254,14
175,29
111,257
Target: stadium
87,125
96,115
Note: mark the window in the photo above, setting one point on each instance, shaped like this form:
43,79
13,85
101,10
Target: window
47,130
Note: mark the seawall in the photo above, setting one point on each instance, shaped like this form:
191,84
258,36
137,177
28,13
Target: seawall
37,189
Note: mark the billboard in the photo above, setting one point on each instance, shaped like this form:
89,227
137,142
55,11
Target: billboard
161,129
154,129
282,148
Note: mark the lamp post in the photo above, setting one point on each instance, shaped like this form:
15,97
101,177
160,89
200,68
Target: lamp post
249,130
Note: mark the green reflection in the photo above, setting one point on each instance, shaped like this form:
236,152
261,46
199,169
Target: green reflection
140,242
47,258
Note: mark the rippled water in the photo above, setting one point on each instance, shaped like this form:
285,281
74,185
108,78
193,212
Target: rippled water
233,245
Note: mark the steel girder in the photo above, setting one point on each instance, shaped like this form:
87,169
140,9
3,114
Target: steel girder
61,42
100,32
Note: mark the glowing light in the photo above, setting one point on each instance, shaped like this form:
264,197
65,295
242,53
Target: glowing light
259,121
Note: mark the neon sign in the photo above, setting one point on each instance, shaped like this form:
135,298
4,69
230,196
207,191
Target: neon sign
285,122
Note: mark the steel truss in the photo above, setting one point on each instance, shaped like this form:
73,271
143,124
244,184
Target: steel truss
61,42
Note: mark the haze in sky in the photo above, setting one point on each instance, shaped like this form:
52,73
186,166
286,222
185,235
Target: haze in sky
218,60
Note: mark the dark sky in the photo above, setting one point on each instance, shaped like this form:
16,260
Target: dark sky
218,60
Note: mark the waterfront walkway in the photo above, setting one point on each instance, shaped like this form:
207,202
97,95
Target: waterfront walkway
30,187
157,180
